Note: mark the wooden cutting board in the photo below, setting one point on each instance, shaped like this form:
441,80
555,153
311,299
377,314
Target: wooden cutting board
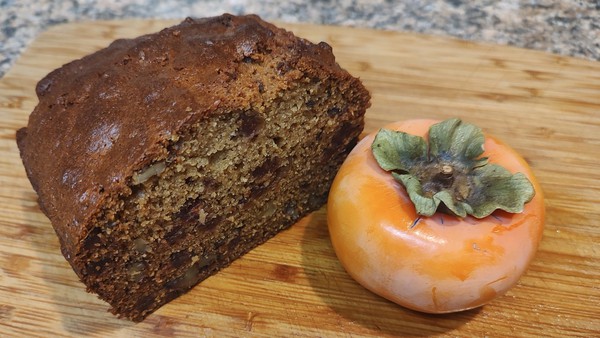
545,106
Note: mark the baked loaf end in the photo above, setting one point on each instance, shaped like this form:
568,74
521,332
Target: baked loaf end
161,159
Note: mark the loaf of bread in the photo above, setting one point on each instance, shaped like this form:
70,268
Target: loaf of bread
161,159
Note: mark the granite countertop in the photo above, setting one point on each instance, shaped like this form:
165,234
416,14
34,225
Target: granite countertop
565,27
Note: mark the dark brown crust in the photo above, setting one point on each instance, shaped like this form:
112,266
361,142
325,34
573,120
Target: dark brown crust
104,117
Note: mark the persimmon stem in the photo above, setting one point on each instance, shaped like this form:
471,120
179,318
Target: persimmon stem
444,179
447,170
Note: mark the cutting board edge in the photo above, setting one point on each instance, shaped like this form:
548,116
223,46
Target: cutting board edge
293,26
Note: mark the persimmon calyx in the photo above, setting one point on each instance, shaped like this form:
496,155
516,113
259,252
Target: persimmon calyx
448,173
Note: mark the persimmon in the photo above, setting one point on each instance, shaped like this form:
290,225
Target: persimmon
439,225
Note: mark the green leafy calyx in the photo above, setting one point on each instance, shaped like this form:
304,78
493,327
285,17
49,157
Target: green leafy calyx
448,173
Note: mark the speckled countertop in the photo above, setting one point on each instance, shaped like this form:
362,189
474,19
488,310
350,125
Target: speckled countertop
566,27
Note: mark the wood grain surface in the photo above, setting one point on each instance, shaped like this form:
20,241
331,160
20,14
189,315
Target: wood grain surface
545,106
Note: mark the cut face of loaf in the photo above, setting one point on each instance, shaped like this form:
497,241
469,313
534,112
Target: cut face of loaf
166,172
228,184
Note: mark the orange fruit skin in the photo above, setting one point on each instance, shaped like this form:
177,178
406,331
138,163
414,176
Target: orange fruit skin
443,263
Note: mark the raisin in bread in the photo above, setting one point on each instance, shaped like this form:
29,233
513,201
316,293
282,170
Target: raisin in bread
159,160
